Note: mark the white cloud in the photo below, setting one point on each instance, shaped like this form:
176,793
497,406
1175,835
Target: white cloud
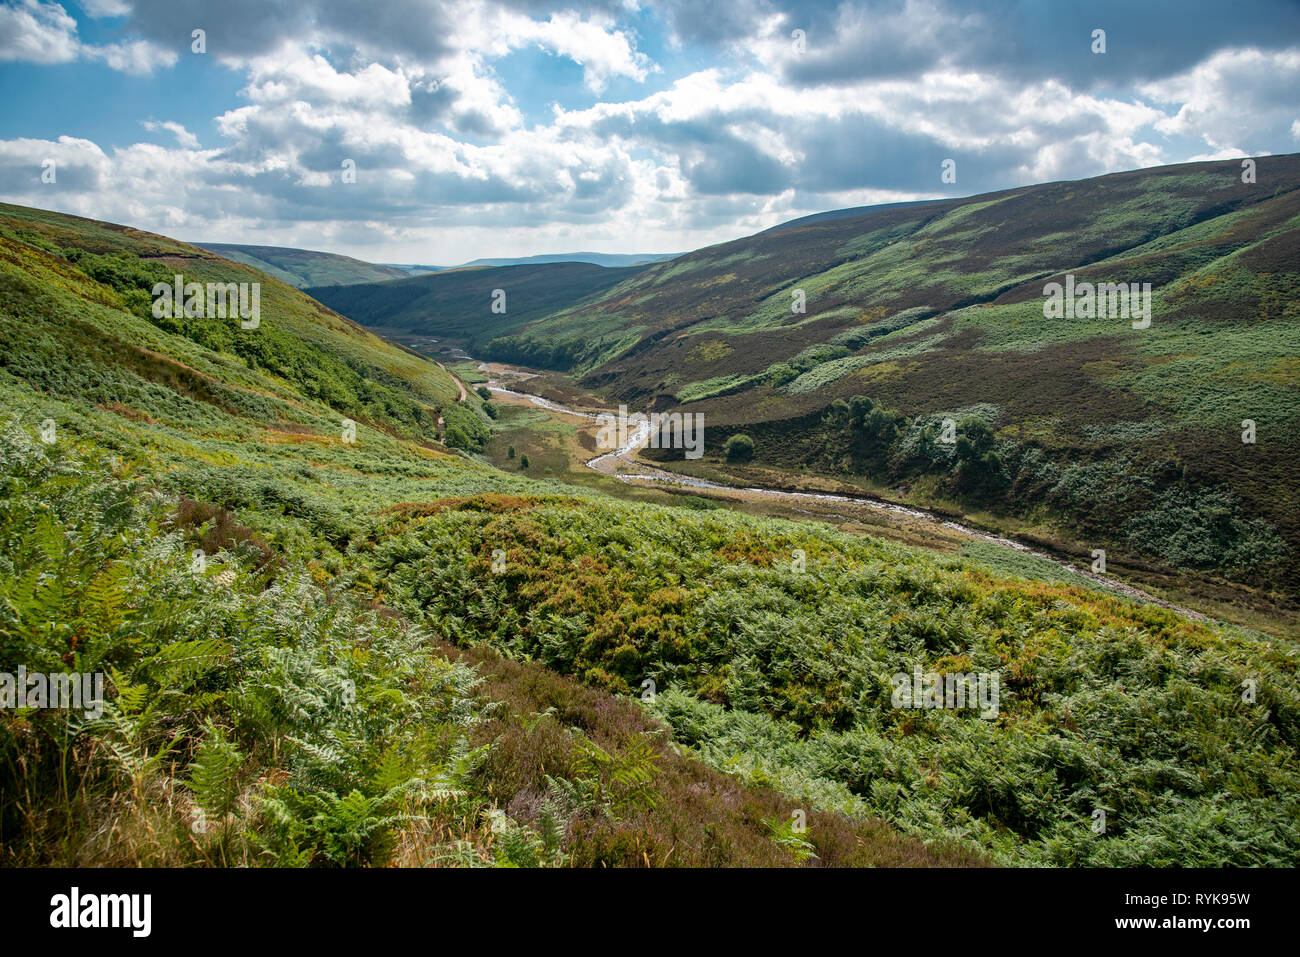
139,57
45,33
1230,97
592,43
106,8
184,137
36,32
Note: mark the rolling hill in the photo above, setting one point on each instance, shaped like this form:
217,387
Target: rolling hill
457,303
1130,439
305,267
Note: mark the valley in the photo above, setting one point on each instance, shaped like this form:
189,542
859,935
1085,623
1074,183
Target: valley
490,641
881,516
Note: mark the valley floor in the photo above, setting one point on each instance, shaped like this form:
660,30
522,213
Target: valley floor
562,437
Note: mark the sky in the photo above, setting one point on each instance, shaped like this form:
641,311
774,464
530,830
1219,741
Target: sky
415,131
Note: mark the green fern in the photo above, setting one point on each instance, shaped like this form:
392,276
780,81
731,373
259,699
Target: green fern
214,775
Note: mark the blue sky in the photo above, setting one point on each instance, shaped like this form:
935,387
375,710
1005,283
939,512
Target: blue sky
515,127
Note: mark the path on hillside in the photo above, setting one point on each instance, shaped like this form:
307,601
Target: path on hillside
608,463
454,378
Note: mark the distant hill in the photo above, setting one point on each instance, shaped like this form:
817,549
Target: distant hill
412,270
305,267
457,303
612,260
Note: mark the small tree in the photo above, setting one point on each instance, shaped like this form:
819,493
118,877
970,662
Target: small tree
523,461
510,452
484,392
739,448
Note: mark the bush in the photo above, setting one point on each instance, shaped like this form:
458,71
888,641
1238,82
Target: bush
739,448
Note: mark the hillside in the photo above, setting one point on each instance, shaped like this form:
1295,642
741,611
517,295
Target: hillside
379,650
1092,431
198,506
456,304
305,267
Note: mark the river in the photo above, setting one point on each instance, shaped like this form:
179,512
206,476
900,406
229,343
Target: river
608,464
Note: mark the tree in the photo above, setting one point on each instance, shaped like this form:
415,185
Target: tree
510,452
523,461
739,448
484,392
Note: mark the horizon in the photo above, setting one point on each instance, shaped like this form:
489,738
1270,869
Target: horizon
480,129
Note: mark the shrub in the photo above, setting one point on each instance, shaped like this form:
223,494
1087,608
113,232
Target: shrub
739,448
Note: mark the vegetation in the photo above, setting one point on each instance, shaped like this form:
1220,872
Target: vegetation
932,308
781,671
190,531
388,652
739,448
304,267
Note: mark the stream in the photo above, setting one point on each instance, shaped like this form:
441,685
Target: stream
607,464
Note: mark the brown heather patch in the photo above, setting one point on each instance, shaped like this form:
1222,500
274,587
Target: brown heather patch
213,528
488,502
286,437
126,412
703,818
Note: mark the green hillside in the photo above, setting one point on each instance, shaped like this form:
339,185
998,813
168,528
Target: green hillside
304,267
457,304
1096,433
385,651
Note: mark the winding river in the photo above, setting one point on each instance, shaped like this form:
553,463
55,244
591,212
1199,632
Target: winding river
608,463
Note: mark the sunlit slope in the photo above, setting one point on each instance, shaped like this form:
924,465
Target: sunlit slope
230,408
726,310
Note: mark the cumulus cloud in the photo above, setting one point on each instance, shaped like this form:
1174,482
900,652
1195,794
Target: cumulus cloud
184,137
603,51
32,31
1236,101
36,32
451,161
